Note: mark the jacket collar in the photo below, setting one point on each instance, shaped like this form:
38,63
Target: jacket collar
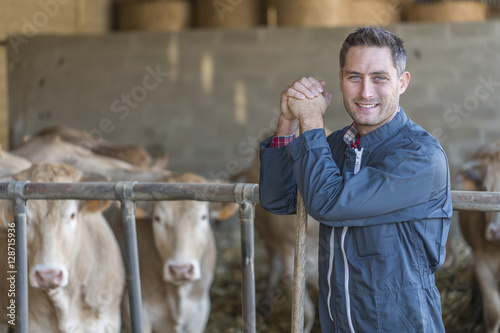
386,131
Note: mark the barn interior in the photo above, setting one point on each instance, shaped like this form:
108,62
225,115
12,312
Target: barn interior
200,80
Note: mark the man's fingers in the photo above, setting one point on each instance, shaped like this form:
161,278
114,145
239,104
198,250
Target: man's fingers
328,97
296,90
315,84
306,87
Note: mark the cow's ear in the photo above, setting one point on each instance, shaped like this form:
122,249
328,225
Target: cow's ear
470,180
221,211
6,215
143,209
94,206
94,177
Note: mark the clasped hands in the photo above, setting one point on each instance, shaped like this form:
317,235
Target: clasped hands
303,103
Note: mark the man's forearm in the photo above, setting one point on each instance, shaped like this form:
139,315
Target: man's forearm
286,127
312,122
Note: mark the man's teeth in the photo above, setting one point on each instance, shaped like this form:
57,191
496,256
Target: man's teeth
367,106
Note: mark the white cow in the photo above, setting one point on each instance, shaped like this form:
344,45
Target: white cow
76,274
11,164
482,230
177,257
131,153
53,149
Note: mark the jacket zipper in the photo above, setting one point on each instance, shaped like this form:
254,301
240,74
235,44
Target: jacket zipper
346,282
330,270
357,167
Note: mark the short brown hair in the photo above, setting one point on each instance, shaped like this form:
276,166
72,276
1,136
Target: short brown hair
376,37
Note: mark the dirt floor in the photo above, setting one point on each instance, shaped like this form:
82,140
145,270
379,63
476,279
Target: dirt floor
461,311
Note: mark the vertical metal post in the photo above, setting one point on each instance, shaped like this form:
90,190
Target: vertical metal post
123,192
299,281
15,190
247,217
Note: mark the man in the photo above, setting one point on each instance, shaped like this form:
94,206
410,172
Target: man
380,189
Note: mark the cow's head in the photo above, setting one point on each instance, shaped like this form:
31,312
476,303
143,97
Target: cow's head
492,184
182,233
483,174
53,226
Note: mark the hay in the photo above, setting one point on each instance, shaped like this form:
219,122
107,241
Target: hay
461,306
229,14
447,11
157,15
336,13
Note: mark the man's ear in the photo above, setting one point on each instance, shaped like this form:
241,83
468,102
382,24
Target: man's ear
404,81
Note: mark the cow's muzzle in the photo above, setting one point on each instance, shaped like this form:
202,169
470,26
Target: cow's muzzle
179,272
49,276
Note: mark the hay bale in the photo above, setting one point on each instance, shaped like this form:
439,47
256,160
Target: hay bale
494,12
29,18
335,13
376,13
229,14
157,15
447,11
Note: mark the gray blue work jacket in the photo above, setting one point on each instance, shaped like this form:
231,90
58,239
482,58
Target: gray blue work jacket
385,212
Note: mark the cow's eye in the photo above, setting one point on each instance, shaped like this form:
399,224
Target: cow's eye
156,219
204,217
72,217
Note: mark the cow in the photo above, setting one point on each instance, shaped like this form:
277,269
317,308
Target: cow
481,230
132,153
177,258
278,233
53,149
11,164
75,269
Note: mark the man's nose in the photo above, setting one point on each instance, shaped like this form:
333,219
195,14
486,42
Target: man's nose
367,89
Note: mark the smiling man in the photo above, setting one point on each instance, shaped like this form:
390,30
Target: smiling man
380,189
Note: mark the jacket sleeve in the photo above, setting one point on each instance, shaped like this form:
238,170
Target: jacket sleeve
277,186
406,185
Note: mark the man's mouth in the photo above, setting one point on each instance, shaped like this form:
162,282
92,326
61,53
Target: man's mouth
366,106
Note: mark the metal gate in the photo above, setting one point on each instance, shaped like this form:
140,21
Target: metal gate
246,195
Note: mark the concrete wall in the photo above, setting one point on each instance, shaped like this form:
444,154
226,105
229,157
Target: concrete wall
207,97
24,19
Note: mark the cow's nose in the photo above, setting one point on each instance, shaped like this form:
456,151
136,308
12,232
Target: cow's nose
493,234
48,278
181,272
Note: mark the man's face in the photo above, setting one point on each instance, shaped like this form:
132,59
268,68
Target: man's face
371,87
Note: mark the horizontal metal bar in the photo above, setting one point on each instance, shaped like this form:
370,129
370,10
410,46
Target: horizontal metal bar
462,200
476,200
140,191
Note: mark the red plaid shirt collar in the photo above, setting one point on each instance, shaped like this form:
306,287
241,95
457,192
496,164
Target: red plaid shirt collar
352,137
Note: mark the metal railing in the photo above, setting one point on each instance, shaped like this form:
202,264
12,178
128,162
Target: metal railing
246,195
